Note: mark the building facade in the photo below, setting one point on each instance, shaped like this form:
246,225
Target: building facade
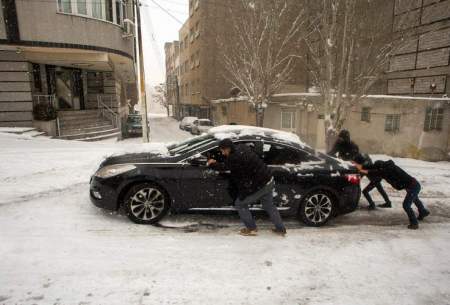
76,55
421,66
172,52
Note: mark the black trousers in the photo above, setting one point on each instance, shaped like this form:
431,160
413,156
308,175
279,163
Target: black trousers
375,183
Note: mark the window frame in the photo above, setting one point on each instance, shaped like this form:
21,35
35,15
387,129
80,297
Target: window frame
392,123
90,10
366,114
292,119
434,119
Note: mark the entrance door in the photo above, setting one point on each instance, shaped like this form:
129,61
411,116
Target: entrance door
64,83
78,92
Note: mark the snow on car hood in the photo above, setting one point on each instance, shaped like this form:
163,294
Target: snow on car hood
236,131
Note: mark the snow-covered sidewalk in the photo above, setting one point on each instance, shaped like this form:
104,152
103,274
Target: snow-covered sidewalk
57,248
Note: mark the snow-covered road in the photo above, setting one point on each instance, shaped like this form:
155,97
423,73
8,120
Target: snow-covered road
56,248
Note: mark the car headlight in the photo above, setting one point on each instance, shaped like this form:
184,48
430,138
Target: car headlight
114,170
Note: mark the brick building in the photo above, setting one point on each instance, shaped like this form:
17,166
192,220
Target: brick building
421,67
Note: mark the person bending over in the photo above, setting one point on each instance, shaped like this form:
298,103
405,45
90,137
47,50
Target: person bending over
400,180
253,182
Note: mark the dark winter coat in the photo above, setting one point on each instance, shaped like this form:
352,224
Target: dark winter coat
390,172
344,148
248,173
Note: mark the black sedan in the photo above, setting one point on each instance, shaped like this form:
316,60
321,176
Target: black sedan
310,185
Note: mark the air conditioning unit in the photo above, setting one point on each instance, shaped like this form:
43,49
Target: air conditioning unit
128,29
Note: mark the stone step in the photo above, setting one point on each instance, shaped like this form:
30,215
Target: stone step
91,135
75,125
82,121
73,113
100,138
80,117
69,132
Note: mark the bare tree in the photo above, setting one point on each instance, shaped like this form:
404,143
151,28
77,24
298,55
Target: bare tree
259,54
159,96
347,47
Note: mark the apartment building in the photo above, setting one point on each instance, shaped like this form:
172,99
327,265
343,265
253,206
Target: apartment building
75,56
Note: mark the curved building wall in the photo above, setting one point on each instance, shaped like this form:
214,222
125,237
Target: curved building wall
40,23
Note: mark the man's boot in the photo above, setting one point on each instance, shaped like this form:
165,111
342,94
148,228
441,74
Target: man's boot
413,226
248,232
386,205
423,215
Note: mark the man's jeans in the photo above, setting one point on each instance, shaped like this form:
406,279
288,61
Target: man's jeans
412,195
265,196
375,184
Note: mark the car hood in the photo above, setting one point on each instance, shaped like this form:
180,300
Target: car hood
136,158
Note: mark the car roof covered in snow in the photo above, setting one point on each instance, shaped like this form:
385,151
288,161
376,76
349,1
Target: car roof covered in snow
239,131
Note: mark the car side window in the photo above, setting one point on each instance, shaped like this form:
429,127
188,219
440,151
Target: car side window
275,154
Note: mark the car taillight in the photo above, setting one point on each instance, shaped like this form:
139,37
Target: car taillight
353,178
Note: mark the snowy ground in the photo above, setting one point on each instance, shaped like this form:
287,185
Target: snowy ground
56,248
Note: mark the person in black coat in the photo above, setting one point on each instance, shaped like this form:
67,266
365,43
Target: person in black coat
400,180
375,182
347,150
344,148
253,182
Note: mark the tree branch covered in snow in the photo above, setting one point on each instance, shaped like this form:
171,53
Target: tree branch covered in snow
347,48
260,53
160,96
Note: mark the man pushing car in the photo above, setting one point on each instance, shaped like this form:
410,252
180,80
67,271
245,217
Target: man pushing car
253,182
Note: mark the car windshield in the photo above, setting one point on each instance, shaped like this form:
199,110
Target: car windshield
135,119
205,123
190,144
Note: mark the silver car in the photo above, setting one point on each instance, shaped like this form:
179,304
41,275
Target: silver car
201,125
187,122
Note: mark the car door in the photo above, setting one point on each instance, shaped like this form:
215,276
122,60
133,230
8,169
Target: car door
285,163
202,186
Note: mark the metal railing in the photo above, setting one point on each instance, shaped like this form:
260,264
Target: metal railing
47,99
106,111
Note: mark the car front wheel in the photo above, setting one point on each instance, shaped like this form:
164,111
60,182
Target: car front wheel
146,203
316,208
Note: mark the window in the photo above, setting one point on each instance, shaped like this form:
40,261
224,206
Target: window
65,6
81,7
119,12
97,9
392,123
109,10
275,154
224,110
287,120
433,118
37,77
365,114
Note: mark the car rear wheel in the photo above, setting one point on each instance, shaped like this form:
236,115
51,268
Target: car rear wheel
317,208
146,203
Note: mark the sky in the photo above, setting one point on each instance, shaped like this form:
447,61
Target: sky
158,28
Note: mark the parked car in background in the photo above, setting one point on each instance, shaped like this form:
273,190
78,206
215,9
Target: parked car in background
133,126
201,125
308,184
186,122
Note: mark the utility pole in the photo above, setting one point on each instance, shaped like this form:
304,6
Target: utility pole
141,78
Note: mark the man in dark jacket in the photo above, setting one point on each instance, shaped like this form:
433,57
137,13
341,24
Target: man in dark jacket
375,182
400,180
344,148
253,182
